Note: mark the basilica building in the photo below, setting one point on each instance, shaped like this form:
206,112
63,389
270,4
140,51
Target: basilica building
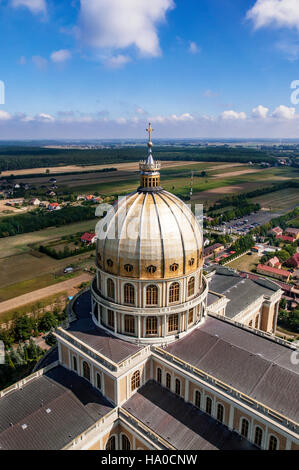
160,353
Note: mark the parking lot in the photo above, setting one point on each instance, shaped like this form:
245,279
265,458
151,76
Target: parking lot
245,224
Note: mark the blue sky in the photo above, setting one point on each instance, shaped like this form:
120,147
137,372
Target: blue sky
103,68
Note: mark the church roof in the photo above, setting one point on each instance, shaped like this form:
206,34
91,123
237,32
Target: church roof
49,411
181,424
250,363
85,330
241,292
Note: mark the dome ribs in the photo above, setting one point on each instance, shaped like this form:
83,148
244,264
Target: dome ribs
161,236
145,195
181,207
125,223
180,230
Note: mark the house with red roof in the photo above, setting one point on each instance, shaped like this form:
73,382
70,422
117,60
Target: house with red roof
293,261
292,232
285,238
274,262
88,238
54,206
276,231
273,272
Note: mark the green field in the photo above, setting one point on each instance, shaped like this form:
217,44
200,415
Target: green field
22,243
283,200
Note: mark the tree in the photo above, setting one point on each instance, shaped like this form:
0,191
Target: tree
47,322
23,327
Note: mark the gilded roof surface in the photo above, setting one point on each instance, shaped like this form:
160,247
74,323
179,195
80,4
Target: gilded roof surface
150,235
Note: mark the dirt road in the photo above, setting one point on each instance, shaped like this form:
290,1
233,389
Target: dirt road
35,296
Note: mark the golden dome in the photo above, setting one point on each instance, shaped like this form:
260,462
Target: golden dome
149,235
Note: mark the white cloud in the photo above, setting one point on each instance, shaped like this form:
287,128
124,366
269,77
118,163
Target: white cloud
182,117
194,48
279,13
284,112
231,114
39,61
4,115
60,56
117,61
260,112
35,6
119,24
44,117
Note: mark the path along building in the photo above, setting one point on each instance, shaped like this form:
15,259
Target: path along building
159,355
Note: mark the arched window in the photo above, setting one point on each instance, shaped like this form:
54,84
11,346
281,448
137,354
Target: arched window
168,381
110,288
173,322
220,412
111,318
273,443
177,387
125,443
197,398
75,363
151,326
135,380
152,295
159,375
190,316
111,444
129,292
86,371
244,427
191,286
209,406
258,436
129,324
174,292
99,382
250,324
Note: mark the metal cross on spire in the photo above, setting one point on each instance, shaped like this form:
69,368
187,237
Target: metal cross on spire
149,130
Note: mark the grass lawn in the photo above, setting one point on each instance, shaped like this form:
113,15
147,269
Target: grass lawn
245,263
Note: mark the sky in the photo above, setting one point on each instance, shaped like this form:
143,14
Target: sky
95,69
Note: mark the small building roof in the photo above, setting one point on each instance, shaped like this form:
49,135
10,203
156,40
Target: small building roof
88,237
270,270
293,230
285,238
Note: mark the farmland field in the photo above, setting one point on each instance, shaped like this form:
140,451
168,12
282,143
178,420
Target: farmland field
283,200
26,272
22,243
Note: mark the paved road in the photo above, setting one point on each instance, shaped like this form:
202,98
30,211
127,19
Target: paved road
34,296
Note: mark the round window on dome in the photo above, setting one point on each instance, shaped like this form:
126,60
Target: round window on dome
174,267
191,261
109,263
128,268
151,269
